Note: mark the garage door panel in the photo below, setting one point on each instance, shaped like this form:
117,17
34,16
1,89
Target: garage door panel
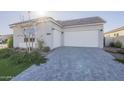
81,38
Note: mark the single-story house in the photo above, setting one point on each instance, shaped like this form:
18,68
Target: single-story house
82,32
114,36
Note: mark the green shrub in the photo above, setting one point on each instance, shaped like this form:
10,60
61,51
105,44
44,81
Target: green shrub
32,58
118,44
46,49
5,53
10,42
40,44
19,57
37,58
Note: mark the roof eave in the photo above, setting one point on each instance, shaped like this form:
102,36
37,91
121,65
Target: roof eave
84,25
115,30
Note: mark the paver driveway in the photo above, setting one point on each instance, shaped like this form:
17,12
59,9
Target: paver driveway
71,63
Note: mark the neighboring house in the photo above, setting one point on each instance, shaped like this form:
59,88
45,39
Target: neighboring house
82,32
5,37
114,36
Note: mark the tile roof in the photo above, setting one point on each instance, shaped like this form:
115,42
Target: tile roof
115,30
80,21
28,21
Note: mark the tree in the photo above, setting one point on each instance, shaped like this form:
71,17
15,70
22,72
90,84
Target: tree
29,34
10,42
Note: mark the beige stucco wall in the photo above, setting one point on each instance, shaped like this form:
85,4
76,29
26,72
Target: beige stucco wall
17,36
41,33
42,30
109,37
52,28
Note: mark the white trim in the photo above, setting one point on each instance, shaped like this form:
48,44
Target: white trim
73,26
52,20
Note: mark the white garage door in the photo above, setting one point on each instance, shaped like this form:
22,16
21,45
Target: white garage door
81,38
56,38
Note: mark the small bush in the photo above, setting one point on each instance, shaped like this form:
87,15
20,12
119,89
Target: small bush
112,44
40,44
46,49
37,58
10,42
118,44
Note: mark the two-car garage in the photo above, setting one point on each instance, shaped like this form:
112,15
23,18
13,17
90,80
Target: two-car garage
81,38
84,32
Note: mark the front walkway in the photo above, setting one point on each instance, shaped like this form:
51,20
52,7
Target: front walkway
69,63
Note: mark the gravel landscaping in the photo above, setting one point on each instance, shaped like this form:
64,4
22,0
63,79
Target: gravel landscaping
118,53
71,63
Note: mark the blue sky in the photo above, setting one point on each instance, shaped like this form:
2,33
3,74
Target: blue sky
114,19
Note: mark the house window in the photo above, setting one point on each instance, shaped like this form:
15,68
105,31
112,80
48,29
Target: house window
32,39
117,34
27,39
